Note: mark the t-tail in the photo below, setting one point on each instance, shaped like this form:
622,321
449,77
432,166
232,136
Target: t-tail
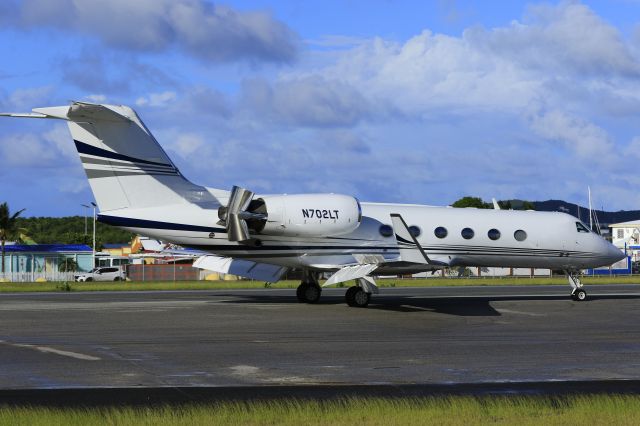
124,163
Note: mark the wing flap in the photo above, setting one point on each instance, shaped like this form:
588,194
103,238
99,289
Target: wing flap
349,273
240,267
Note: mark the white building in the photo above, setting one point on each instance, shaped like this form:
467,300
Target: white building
627,235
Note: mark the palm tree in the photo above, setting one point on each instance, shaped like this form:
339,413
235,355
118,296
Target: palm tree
8,227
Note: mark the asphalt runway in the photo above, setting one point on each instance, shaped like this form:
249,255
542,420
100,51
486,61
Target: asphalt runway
249,339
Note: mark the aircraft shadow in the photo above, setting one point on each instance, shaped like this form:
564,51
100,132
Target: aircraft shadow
459,306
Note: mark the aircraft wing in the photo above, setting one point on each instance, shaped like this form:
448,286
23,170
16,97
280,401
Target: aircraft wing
410,249
240,267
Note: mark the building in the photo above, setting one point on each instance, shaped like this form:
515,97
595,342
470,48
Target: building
626,236
43,261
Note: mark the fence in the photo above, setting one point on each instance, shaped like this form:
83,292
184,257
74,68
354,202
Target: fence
23,277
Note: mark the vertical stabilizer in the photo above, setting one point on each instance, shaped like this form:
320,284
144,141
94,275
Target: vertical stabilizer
124,163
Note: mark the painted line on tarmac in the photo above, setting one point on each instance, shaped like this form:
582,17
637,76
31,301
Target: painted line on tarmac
47,349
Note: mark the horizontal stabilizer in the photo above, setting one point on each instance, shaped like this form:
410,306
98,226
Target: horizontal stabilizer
349,273
78,111
410,249
242,268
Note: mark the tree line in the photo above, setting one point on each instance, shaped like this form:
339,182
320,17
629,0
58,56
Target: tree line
70,230
477,202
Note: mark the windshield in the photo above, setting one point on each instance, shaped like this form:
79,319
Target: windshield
581,227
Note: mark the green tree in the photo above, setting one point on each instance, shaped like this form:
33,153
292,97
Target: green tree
8,227
472,202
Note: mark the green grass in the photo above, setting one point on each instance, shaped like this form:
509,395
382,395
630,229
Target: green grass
520,410
226,285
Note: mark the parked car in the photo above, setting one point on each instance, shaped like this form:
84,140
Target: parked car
101,274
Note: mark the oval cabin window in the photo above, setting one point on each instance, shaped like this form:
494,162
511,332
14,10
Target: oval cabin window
440,232
520,235
386,230
467,233
493,234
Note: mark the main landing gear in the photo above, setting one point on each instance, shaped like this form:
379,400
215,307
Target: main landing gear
358,296
309,291
577,291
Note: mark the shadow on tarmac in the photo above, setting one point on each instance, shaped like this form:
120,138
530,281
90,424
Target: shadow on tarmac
460,306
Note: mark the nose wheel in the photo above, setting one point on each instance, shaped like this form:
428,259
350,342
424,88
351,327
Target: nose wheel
577,292
579,295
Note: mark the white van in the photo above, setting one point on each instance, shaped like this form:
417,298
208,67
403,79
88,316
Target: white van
101,274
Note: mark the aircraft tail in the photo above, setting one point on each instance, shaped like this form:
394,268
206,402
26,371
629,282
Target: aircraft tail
124,163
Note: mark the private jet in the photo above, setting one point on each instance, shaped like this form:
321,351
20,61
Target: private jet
138,188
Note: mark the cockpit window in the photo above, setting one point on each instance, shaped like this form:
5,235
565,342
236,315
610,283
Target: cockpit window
581,227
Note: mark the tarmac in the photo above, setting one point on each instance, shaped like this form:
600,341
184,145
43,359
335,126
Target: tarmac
132,347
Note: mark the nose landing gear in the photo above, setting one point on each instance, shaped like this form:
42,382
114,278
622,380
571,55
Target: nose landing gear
578,293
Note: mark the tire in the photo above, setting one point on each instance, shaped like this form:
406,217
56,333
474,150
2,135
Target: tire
312,293
88,279
579,295
350,294
360,298
116,279
300,292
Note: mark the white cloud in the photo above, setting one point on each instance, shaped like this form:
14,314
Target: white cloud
31,97
212,33
307,101
156,99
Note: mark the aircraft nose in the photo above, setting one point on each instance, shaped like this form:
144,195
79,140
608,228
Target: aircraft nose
614,254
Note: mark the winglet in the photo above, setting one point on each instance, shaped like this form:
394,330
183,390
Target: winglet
409,247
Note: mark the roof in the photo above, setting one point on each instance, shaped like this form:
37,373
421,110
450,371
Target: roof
48,248
115,245
630,224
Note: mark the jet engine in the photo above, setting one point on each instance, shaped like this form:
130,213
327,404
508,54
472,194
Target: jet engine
300,215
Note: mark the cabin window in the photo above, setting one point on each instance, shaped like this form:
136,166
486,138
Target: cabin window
467,233
441,232
415,231
620,233
493,234
386,230
520,235
581,228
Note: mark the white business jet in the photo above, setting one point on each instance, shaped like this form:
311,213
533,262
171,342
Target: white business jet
137,187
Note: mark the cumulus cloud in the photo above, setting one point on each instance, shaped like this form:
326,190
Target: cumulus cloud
568,37
581,137
96,70
311,101
212,33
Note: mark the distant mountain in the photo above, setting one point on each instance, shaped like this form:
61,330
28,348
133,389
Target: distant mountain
573,209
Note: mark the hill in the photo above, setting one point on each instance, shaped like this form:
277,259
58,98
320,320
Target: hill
582,213
70,230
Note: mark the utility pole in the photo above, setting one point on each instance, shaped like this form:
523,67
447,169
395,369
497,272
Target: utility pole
94,234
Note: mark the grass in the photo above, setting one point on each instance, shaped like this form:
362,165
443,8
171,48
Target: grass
508,410
226,285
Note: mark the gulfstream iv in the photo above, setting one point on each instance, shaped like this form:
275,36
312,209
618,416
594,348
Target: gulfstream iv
137,187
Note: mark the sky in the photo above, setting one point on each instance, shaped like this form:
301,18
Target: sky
390,101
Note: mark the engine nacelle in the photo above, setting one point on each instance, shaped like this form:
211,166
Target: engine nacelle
308,215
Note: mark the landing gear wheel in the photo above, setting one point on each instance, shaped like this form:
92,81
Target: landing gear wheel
579,295
357,297
308,293
349,296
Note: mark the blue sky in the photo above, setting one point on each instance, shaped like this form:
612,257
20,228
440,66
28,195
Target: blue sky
397,101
